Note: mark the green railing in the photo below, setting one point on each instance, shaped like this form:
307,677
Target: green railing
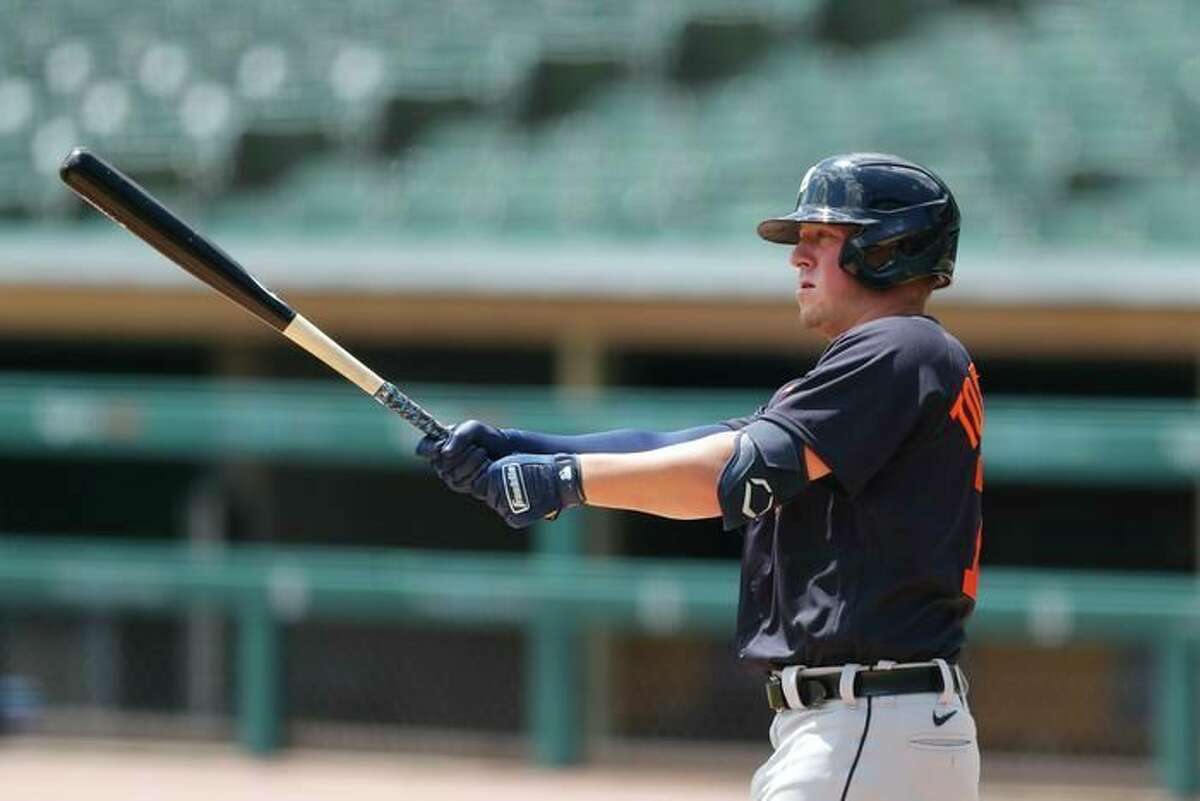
555,599
1033,439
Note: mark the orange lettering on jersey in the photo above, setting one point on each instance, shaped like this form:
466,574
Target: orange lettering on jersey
974,402
957,413
970,582
967,408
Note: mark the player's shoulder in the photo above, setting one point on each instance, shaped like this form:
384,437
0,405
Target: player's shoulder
899,332
912,339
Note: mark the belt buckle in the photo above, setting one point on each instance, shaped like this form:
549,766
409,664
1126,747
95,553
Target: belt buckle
809,693
775,697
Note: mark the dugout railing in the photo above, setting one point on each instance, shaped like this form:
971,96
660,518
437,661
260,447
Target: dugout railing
555,594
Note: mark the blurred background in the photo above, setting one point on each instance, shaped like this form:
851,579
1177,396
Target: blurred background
541,213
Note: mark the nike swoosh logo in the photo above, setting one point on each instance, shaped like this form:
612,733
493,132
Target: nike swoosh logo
938,721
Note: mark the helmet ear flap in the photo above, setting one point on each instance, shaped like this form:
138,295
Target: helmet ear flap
852,259
858,262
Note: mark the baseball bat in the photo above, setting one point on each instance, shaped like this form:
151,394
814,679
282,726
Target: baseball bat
117,196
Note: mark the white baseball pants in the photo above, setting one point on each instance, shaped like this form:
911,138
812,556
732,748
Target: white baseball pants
886,748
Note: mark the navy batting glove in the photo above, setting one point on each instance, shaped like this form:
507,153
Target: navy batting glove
490,438
525,488
461,476
458,458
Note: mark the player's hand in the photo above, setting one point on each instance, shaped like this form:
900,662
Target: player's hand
461,475
525,488
458,458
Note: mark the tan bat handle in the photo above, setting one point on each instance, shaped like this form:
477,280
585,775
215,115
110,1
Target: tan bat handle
316,342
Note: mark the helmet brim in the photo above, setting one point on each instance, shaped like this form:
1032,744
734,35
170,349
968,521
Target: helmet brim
786,230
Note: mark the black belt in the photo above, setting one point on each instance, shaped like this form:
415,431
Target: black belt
814,689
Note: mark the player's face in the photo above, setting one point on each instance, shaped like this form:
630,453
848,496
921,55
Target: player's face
828,296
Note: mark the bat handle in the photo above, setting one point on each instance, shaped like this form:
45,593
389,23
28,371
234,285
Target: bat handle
410,410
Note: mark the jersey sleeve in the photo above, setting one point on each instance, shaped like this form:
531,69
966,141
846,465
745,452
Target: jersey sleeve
623,440
738,423
870,391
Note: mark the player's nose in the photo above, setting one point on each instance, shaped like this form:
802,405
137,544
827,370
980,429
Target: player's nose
800,258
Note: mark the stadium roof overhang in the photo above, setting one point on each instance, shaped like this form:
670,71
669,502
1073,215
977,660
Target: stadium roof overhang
684,295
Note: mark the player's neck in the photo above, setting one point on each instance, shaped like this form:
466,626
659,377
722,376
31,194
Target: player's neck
878,307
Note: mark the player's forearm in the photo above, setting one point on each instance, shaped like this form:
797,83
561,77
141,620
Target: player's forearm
678,481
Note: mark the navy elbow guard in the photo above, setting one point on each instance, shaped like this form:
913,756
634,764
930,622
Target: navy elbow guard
766,469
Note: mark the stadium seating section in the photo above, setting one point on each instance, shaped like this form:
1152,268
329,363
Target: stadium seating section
1056,121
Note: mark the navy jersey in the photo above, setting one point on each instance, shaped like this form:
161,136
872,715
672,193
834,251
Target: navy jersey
878,560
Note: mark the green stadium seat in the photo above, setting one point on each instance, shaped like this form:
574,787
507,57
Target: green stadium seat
1017,110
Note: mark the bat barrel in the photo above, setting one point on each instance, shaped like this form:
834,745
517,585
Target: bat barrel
118,197
128,204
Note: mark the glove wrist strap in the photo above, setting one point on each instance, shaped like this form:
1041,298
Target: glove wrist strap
569,480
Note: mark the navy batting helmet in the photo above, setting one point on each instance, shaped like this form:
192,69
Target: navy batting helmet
908,220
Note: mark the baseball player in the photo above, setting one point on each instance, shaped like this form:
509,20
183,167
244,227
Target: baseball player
857,486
